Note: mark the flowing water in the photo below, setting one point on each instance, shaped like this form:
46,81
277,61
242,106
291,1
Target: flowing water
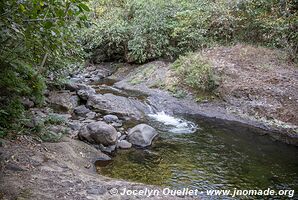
203,156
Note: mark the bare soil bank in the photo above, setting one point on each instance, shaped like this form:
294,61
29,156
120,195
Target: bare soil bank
257,86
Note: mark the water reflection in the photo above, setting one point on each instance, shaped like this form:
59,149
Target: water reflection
210,158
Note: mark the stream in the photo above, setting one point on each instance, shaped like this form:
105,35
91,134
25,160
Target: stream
201,154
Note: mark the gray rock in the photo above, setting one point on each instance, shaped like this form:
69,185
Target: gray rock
87,75
87,121
84,134
75,125
81,111
110,118
108,149
63,101
74,87
14,167
122,137
116,124
125,107
142,135
103,160
85,92
97,190
121,129
73,80
124,144
95,78
103,157
91,115
99,133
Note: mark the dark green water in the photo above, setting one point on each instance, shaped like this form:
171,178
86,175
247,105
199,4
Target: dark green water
214,157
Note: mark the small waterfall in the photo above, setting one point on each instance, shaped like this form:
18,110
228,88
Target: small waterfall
173,124
152,108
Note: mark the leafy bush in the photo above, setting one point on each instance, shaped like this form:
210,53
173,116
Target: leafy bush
38,41
195,72
54,119
134,31
273,23
139,30
50,136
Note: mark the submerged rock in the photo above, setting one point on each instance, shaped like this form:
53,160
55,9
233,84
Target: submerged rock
124,144
142,135
99,133
108,149
116,124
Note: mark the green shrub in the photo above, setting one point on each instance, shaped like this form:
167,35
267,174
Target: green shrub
50,136
38,41
195,72
272,23
139,30
54,119
10,112
18,80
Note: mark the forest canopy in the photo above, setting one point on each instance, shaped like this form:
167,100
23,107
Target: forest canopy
139,30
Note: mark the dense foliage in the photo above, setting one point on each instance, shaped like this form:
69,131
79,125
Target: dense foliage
37,39
139,30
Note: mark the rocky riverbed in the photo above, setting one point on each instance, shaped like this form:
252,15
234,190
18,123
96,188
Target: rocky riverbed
106,106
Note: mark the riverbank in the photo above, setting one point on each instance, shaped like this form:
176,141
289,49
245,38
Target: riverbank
257,87
257,91
62,170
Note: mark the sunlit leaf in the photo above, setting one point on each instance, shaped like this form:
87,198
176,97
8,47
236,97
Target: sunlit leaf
84,7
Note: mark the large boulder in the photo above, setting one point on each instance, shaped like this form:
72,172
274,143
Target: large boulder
142,135
99,133
63,101
122,106
82,90
124,144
